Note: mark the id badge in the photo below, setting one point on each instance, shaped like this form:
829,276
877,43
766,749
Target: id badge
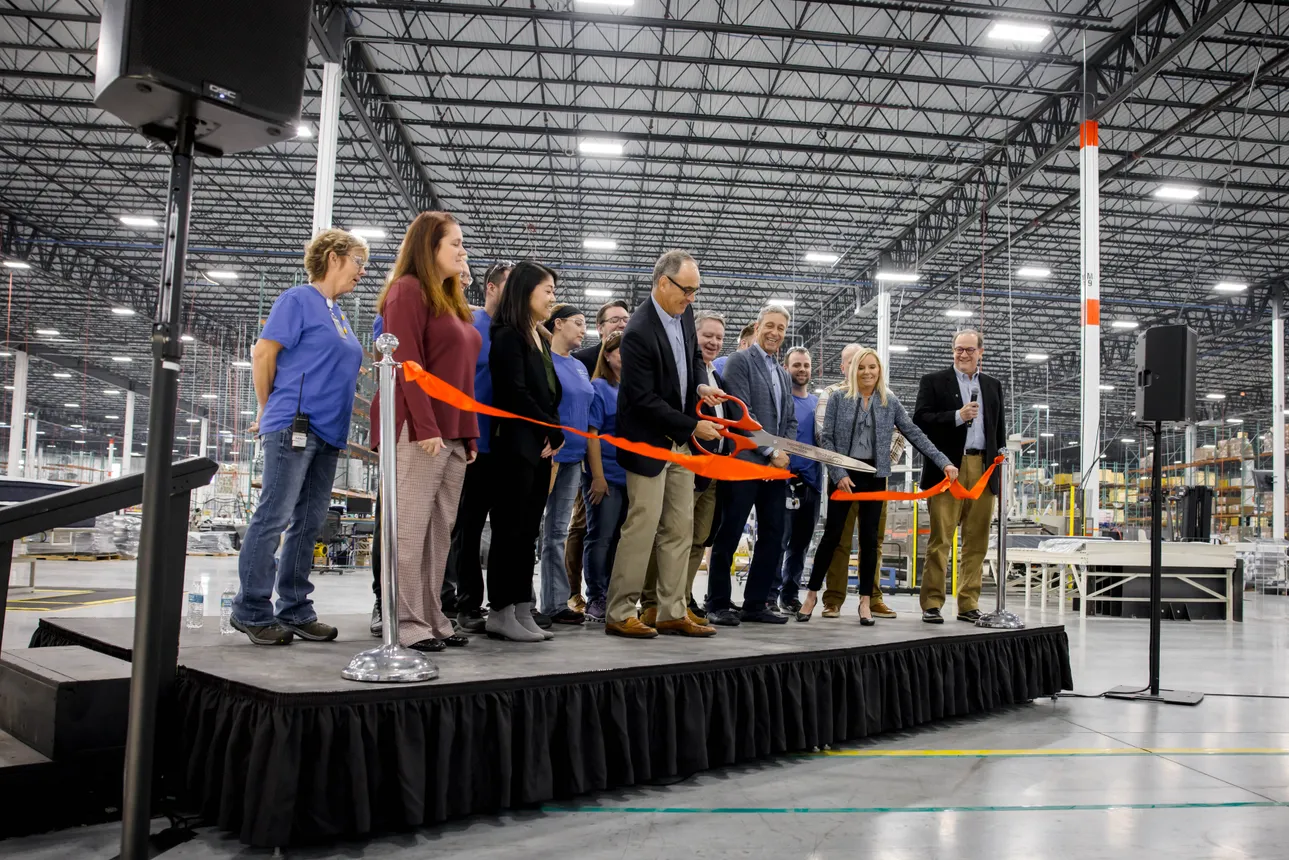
299,432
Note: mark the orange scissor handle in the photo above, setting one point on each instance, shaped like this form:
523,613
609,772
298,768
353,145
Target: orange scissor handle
744,422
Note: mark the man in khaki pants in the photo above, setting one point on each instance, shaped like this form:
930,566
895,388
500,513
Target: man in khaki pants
662,382
839,567
961,411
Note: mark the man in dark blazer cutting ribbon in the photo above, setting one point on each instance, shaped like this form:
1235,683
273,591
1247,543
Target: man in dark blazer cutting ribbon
961,411
663,378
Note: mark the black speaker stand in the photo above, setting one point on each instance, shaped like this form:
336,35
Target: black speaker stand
1153,693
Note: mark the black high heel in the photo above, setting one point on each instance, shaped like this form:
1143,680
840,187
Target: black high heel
864,603
805,616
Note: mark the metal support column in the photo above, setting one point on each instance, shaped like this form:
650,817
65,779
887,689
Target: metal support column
127,439
204,437
32,469
1278,413
328,141
884,327
18,413
1188,455
1090,290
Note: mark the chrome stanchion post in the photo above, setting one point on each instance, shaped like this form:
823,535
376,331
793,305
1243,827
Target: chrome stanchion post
390,662
1000,618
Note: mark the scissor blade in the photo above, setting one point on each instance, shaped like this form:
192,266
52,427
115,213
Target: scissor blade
810,452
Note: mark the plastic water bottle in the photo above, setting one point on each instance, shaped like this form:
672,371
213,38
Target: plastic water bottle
226,611
196,605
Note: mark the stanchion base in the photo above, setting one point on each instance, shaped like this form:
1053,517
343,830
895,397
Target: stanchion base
1001,620
390,664
1168,697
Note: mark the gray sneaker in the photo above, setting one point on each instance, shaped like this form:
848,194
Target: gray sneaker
314,631
266,634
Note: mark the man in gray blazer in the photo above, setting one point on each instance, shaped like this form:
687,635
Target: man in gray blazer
754,376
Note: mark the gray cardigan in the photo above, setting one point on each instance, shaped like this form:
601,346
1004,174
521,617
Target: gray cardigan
839,424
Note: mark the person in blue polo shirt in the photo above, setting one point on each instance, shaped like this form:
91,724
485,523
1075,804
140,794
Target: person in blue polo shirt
306,365
803,490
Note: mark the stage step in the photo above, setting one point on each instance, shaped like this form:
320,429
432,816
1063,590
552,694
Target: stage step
64,702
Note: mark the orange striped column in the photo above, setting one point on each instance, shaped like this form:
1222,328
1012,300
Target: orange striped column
1090,442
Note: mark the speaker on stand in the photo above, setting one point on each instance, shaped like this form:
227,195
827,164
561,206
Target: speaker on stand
1166,358
214,78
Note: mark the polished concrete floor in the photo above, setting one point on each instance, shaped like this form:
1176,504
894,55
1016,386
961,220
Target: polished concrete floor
1074,778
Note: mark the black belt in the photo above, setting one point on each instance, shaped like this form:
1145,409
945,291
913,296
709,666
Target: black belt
974,452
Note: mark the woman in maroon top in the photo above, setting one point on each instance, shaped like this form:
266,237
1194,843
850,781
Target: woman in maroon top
424,307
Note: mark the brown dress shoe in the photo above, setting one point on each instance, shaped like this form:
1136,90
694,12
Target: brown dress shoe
632,628
832,612
880,609
577,603
685,627
650,617
694,619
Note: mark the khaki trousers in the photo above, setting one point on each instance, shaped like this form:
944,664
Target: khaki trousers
575,546
704,513
429,492
947,513
839,569
660,519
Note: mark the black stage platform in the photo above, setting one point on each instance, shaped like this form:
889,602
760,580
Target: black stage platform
276,747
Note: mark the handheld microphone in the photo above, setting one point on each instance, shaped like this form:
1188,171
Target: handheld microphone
975,395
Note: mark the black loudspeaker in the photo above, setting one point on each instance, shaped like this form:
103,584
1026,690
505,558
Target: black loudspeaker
1166,374
241,62
1197,513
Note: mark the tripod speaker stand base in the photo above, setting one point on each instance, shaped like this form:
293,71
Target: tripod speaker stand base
1168,697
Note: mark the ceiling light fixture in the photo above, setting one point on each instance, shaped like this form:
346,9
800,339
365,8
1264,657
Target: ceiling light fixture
609,148
1124,325
122,359
1047,435
600,244
222,275
1235,421
1036,356
1040,405
110,391
303,130
1176,192
1128,441
784,302
368,232
1214,396
193,420
187,338
1230,287
242,363
1010,31
593,293
1106,387
16,264
78,441
1033,272
898,277
957,313
111,417
897,348
123,312
47,332
248,411
138,221
824,258
210,397
71,406
62,376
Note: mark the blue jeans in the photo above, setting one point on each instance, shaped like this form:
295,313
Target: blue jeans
295,497
559,511
800,528
603,525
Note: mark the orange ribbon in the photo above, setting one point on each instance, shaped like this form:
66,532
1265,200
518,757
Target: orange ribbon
953,488
707,465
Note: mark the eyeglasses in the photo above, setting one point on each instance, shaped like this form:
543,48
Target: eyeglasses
689,292
964,350
360,262
496,269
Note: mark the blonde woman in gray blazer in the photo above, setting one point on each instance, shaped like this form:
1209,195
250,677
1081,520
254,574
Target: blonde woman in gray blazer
860,422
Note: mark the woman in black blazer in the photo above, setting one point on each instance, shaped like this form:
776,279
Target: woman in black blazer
523,382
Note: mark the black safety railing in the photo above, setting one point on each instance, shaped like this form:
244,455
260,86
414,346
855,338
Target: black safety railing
72,506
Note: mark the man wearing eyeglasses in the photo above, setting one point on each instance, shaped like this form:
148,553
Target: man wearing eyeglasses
612,316
961,411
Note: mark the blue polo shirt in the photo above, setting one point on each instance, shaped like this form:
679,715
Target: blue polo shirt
604,418
574,405
807,470
483,377
319,347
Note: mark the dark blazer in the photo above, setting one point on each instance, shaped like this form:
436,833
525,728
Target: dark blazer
649,397
748,378
939,399
519,385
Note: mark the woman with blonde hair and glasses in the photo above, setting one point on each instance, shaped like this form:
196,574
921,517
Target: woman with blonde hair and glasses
859,422
424,306
305,367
